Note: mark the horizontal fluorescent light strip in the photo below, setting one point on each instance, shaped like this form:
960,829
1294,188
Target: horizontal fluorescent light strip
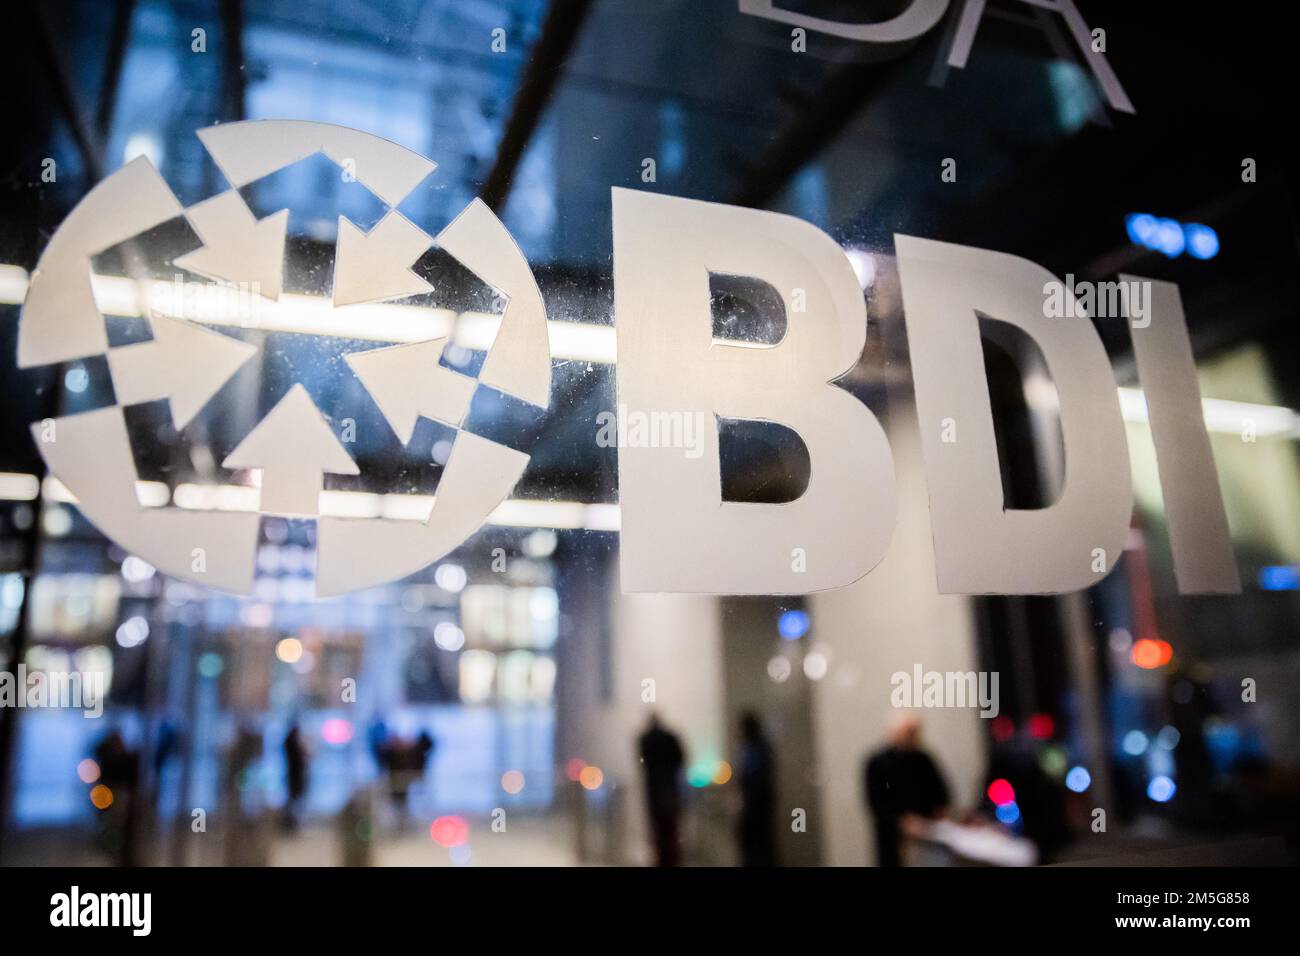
1221,415
387,322
215,304
511,513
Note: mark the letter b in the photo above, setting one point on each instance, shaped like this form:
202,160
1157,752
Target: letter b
677,533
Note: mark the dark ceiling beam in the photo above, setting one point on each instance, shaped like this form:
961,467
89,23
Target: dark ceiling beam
846,90
119,40
90,146
61,84
233,81
559,31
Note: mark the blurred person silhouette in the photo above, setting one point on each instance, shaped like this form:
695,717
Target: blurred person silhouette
901,781
245,752
377,738
756,776
425,745
389,754
295,765
661,762
169,740
404,762
1201,789
240,798
119,771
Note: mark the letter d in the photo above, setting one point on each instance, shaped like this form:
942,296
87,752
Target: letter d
981,546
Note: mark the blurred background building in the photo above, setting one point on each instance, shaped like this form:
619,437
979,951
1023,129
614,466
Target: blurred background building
499,694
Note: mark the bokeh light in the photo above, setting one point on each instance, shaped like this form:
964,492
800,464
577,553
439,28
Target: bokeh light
1202,241
591,777
132,632
336,731
1054,761
449,831
792,624
1078,779
448,636
1135,743
88,771
512,782
778,668
1001,792
1003,729
101,796
460,854
450,577
76,380
1042,726
1161,789
136,570
1150,653
815,665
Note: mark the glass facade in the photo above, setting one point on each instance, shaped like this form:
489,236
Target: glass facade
512,678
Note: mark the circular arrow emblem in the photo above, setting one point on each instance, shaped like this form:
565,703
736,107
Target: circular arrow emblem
294,446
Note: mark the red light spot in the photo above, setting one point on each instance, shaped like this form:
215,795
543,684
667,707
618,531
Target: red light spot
1004,728
1001,792
1042,726
449,831
573,769
1150,653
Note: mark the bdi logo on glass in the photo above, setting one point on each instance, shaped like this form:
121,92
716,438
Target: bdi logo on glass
677,533
294,445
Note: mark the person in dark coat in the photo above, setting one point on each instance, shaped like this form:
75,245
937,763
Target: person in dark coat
901,780
757,774
661,760
119,771
295,766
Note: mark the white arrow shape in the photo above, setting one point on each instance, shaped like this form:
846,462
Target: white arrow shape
92,457
406,382
60,319
376,265
294,447
237,246
357,553
519,362
184,363
252,149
